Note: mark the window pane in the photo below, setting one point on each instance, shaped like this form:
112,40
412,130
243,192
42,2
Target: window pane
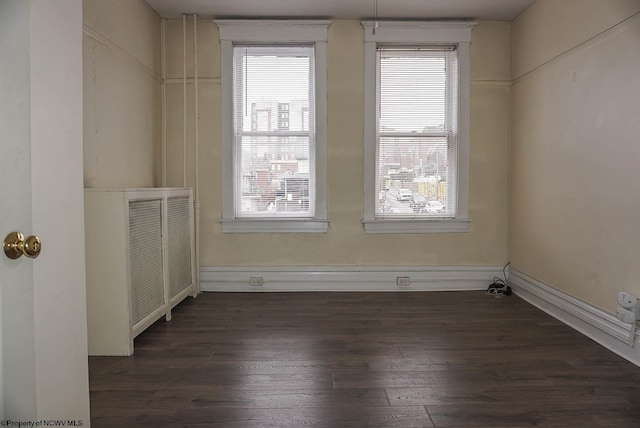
273,90
412,92
416,132
274,176
412,177
274,120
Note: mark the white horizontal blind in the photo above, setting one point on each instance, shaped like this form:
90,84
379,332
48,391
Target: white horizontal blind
416,131
274,121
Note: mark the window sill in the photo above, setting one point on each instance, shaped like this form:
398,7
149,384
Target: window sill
447,225
275,225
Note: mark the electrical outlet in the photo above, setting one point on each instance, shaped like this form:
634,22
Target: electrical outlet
626,316
403,281
627,300
256,281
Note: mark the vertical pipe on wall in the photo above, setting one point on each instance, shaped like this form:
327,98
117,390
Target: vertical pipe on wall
163,95
196,151
184,100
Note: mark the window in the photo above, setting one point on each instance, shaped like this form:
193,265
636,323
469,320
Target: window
274,125
273,155
416,127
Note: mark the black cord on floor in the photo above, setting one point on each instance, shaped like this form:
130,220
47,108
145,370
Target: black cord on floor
500,287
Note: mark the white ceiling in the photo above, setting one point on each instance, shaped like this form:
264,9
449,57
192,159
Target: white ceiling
502,10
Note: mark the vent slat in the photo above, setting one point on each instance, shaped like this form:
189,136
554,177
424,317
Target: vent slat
179,244
145,249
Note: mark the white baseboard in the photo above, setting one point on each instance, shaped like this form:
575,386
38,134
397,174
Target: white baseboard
348,278
594,323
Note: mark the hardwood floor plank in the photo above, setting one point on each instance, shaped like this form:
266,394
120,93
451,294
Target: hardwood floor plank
106,403
198,397
330,417
250,382
518,394
367,379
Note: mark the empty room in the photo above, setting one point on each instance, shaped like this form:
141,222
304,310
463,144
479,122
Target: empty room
243,213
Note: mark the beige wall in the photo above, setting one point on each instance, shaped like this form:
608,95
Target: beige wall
346,243
122,94
575,152
551,28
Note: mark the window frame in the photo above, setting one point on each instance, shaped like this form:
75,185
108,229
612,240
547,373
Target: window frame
273,33
400,33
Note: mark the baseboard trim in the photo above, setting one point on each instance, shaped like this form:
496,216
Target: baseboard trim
598,325
290,279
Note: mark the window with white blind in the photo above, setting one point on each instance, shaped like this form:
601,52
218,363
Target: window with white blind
274,131
416,119
274,125
416,132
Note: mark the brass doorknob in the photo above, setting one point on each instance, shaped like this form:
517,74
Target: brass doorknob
15,245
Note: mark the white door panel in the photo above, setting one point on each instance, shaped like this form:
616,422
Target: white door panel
16,276
43,358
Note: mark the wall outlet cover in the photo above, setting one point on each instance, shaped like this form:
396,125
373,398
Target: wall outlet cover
627,300
403,281
256,281
626,316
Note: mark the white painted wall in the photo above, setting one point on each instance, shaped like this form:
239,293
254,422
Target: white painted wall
122,94
550,28
574,153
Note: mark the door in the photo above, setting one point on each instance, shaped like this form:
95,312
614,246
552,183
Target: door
43,358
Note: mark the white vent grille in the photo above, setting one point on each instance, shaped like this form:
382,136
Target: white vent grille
179,244
145,249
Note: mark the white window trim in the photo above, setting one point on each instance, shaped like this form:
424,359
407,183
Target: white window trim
273,32
416,33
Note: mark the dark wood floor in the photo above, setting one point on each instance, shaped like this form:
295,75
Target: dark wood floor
443,359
